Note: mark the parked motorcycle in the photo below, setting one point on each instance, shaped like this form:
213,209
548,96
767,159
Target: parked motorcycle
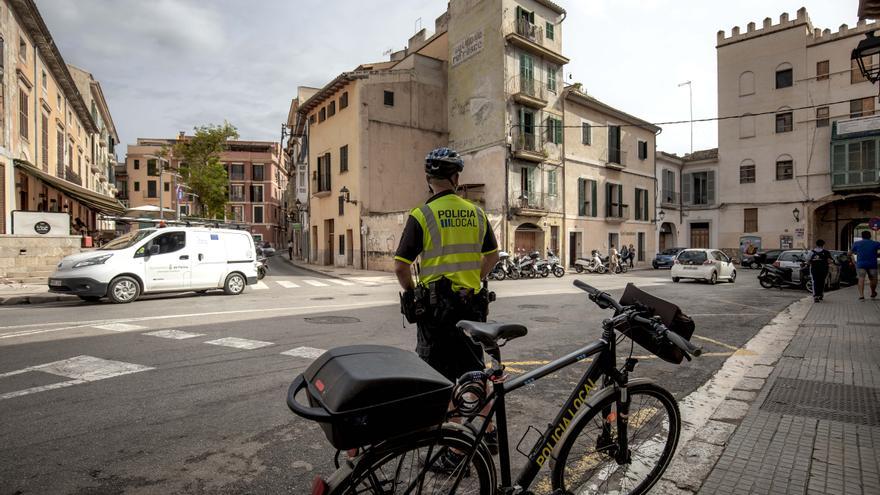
542,267
525,265
262,267
501,268
555,265
773,276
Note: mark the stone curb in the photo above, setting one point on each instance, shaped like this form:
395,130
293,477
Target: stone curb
719,406
309,269
34,299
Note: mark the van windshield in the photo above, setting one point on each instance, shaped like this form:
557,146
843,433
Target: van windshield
126,241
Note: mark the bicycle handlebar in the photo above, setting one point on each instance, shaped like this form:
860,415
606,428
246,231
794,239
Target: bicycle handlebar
604,300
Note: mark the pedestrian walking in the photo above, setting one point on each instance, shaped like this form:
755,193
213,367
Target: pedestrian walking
624,254
632,255
613,259
458,250
290,250
818,260
865,251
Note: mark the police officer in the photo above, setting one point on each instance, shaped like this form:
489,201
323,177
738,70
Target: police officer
458,250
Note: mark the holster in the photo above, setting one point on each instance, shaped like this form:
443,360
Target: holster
414,304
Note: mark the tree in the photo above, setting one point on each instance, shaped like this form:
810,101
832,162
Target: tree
201,169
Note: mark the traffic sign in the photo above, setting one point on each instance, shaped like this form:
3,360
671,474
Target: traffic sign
874,223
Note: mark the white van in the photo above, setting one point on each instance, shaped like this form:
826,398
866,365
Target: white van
171,259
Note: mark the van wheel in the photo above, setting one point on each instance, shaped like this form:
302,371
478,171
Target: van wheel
676,280
123,289
235,284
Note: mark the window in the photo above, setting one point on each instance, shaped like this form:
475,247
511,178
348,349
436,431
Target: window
166,186
256,193
698,188
855,73
59,139
747,172
137,164
257,170
312,119
236,171
747,126
236,192
343,159
237,213
554,130
586,133
388,98
784,169
331,109
614,144
747,83
258,214
45,142
341,245
668,187
552,186
587,202
23,112
551,78
22,48
45,79
822,70
614,206
184,210
548,31
151,189
341,199
784,78
750,220
2,59
343,100
137,186
863,107
855,164
323,172
170,242
784,122
526,74
822,114
643,150
322,115
152,168
641,204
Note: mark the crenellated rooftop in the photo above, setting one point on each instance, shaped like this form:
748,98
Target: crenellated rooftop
802,19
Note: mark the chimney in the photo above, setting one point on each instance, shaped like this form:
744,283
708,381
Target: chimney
767,22
783,18
734,31
750,27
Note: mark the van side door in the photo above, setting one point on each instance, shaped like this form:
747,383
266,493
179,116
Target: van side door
167,263
209,260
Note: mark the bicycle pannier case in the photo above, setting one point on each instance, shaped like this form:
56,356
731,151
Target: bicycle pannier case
375,392
669,314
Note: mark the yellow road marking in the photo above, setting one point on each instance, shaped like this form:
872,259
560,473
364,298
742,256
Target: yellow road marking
722,344
508,365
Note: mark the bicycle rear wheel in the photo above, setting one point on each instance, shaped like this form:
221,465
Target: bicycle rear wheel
586,461
410,465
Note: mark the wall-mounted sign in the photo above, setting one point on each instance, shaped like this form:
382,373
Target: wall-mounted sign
785,242
42,228
44,223
799,233
467,47
861,124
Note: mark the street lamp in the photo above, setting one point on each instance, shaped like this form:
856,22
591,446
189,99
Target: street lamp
797,214
661,215
345,194
863,55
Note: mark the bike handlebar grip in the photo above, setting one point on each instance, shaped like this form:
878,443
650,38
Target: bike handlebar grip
683,344
313,413
586,287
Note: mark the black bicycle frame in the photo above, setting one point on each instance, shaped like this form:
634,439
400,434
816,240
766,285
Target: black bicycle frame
604,365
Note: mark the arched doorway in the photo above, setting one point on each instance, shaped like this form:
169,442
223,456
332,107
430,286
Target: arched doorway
528,237
667,236
838,222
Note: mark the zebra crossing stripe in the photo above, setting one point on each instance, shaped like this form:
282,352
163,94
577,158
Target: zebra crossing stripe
286,284
340,282
315,283
304,352
174,334
238,343
259,286
120,327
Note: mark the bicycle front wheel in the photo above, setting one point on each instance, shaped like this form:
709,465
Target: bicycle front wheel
587,458
426,462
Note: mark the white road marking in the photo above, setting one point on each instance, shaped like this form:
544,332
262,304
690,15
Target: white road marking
120,327
340,281
304,352
315,283
259,286
79,369
174,334
239,343
286,284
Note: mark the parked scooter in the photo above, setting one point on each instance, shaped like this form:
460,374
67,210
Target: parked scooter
593,264
526,265
262,267
501,268
542,267
774,276
555,265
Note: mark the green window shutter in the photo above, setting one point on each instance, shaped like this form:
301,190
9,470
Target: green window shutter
620,200
594,199
558,131
687,181
711,186
608,199
582,197
638,203
549,31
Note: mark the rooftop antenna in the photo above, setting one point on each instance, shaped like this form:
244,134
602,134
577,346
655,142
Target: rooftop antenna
387,52
417,25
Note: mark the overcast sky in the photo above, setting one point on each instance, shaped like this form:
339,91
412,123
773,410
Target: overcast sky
169,65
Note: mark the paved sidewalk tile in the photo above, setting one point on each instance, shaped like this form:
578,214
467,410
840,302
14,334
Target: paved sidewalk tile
814,426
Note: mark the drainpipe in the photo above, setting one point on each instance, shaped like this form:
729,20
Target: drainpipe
656,225
564,233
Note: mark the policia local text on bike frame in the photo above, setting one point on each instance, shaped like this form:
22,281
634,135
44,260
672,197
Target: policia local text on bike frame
458,250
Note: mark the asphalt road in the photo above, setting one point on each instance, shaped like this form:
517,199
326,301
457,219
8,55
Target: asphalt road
94,401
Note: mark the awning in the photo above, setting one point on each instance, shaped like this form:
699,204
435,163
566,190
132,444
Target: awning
100,203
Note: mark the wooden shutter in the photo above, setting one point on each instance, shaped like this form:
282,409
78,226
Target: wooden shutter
582,197
620,200
558,131
608,200
645,205
710,186
594,199
687,181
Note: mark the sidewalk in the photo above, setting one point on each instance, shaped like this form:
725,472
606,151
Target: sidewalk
11,293
807,423
334,271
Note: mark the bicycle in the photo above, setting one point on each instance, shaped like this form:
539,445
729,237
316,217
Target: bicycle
618,438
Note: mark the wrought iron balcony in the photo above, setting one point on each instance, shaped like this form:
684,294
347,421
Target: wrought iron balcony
532,204
616,213
615,158
530,92
71,176
669,198
527,146
526,35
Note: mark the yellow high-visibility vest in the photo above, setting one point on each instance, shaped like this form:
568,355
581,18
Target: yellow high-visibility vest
453,229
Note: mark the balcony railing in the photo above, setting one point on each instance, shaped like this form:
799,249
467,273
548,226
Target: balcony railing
530,92
669,198
527,146
71,176
616,212
531,203
529,30
615,158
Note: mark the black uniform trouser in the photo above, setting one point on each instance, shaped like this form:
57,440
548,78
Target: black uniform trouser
819,274
446,348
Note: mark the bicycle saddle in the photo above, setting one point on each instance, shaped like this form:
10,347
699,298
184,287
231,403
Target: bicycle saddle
489,332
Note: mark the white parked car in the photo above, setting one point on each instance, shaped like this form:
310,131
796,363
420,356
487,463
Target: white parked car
172,259
710,265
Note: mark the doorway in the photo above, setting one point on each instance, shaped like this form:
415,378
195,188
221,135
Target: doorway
700,235
328,239
349,247
528,238
575,248
667,237
613,240
640,246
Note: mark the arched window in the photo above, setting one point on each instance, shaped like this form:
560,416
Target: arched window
784,167
747,126
747,172
747,83
784,76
